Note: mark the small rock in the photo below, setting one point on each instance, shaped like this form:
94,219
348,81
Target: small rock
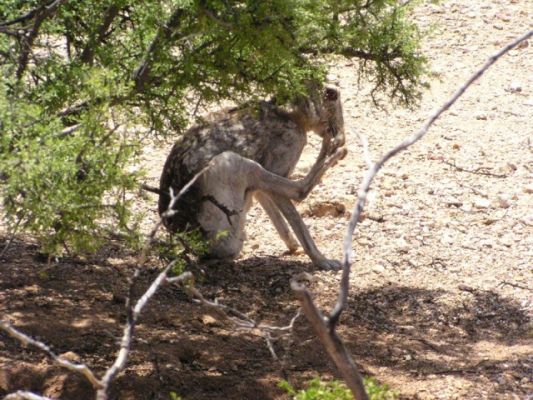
512,166
70,356
524,44
378,268
453,202
255,246
482,203
528,189
504,201
327,208
515,87
331,78
456,146
209,320
481,116
528,220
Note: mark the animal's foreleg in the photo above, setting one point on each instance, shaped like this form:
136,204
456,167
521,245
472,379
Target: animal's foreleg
277,219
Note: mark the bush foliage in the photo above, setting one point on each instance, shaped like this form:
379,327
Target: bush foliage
78,79
337,390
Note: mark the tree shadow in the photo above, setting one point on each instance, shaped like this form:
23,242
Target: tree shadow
79,306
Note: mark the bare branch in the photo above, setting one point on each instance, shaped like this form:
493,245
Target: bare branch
477,171
29,15
168,213
23,338
22,395
125,343
325,327
152,189
241,320
373,170
163,36
331,342
366,151
29,38
88,52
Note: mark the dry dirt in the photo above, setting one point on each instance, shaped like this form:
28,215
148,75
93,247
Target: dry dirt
441,293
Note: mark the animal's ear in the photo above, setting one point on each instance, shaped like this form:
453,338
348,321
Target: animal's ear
331,94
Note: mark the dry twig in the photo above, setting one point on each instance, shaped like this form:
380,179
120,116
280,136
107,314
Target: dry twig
477,171
22,395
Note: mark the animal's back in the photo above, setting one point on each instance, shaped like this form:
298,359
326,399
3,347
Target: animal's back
265,135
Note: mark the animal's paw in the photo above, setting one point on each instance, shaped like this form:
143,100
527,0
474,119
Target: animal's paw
339,154
342,152
332,265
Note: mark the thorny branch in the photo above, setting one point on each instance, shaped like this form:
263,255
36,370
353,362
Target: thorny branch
325,326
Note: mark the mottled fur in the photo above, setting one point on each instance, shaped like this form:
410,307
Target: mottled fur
251,151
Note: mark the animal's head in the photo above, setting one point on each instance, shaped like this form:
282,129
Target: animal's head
322,112
331,117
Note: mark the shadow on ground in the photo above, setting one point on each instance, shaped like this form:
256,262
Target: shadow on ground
78,307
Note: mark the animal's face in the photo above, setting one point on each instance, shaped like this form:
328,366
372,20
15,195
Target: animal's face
331,117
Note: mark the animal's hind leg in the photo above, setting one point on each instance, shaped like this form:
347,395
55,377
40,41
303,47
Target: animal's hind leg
302,233
244,171
277,219
230,179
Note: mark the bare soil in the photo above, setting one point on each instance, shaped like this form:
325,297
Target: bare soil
441,290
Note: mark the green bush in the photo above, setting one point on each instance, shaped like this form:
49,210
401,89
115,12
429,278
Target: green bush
78,79
337,390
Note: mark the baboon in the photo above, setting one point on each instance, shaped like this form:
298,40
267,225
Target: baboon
250,153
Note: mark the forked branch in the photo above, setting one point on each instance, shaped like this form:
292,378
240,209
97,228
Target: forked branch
325,326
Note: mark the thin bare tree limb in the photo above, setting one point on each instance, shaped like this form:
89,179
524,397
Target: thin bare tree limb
373,170
28,39
168,213
366,152
29,15
325,327
110,14
477,171
331,342
163,36
25,339
125,343
23,395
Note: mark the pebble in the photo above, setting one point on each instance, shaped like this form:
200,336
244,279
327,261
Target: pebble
515,87
528,220
378,268
208,320
504,201
70,356
482,203
528,189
